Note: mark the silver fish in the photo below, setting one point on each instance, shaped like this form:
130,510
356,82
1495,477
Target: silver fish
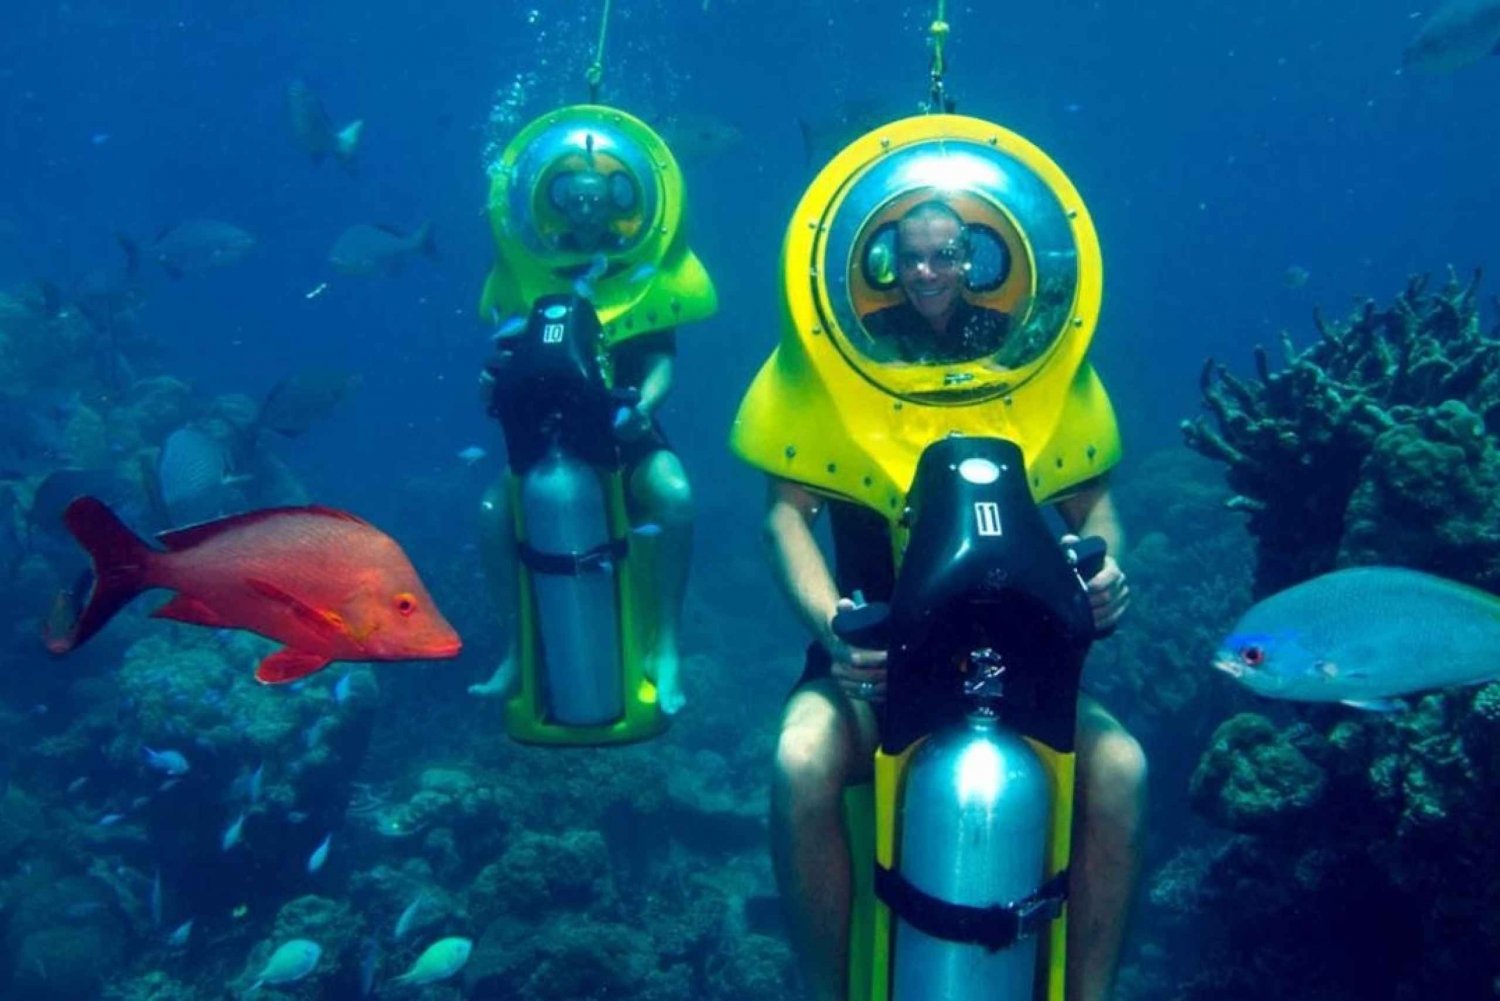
1364,637
198,245
1457,34
195,478
367,251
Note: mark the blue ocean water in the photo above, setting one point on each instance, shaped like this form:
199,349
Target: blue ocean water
1243,164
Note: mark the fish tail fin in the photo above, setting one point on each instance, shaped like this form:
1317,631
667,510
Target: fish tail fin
425,242
121,570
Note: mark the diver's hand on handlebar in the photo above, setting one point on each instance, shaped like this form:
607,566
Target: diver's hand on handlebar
631,423
1109,593
859,672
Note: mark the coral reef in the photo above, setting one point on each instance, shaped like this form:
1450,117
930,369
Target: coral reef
1362,862
1253,778
1361,431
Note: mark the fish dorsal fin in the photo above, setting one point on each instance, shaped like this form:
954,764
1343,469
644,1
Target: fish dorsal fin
186,538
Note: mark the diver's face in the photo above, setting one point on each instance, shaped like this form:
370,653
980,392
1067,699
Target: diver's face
583,203
930,266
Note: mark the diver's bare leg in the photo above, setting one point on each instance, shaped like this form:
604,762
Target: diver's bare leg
663,498
824,745
497,551
1107,835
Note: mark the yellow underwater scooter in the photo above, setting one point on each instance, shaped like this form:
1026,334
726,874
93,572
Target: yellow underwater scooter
988,622
586,209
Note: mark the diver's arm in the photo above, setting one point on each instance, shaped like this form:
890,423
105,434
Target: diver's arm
802,573
656,379
645,365
1091,511
796,561
655,365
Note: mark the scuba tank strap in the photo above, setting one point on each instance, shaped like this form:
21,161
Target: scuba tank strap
995,928
572,564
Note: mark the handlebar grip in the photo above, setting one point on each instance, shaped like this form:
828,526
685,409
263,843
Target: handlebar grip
1088,556
863,625
1088,560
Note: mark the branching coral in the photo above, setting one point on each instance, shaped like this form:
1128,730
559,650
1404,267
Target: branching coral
1298,442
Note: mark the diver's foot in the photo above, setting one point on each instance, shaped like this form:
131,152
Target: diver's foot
662,668
499,683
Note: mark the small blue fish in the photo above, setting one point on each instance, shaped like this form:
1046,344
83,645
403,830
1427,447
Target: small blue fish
409,916
293,961
1365,637
111,819
642,273
168,762
77,784
649,530
441,960
341,690
320,854
583,285
156,900
470,455
232,833
255,782
296,817
369,961
179,937
510,327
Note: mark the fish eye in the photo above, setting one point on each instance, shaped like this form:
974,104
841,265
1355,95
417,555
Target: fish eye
1253,656
405,603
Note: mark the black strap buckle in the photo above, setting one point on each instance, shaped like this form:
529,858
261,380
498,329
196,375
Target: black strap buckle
592,560
996,927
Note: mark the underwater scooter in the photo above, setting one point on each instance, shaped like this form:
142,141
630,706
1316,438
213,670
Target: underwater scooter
970,812
582,617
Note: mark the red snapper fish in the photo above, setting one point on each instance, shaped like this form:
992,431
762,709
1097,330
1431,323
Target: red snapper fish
325,583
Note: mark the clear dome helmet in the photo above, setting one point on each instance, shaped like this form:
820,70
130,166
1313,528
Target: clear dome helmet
949,271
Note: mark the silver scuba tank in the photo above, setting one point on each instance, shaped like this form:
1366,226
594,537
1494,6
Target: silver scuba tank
973,821
564,512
